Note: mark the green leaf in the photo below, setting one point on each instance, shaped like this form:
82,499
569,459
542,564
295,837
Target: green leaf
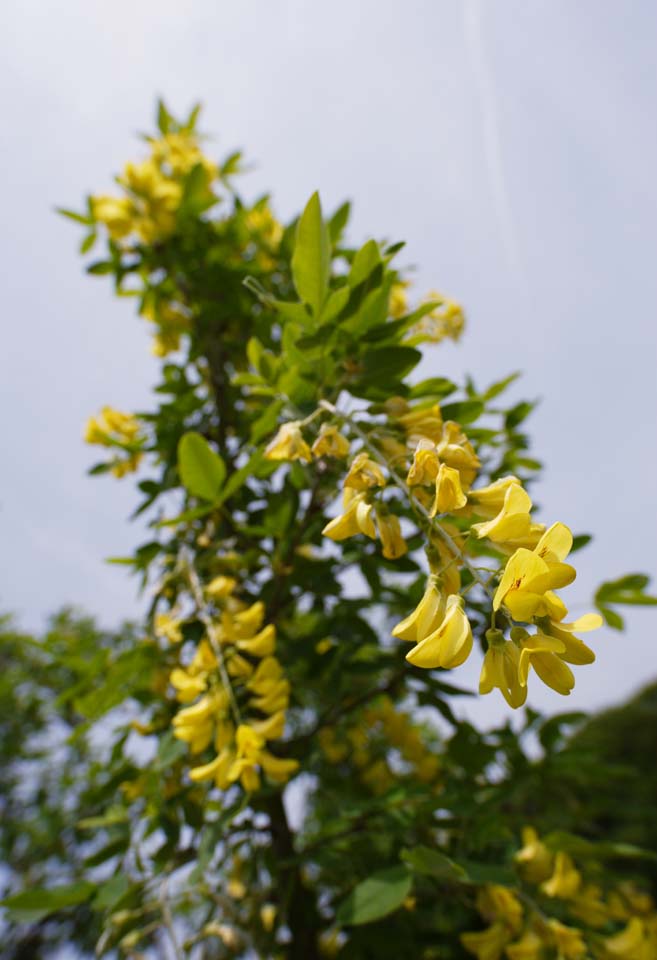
433,387
202,471
338,222
499,387
164,118
467,411
77,217
311,261
389,362
366,260
374,898
39,901
110,892
432,863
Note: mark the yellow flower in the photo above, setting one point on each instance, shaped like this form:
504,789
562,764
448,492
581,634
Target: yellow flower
496,902
364,474
272,727
456,451
393,543
513,520
426,617
168,627
398,301
268,913
220,587
575,650
450,644
631,943
262,644
530,577
529,947
216,770
112,426
187,687
357,518
425,466
278,769
534,858
541,652
420,422
568,941
489,500
330,443
449,493
116,213
566,879
589,907
445,320
487,944
501,669
288,444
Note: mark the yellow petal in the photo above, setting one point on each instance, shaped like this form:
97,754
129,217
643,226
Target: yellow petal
556,543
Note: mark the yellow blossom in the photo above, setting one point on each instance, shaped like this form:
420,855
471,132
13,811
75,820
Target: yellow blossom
288,444
268,913
217,770
632,943
419,423
589,906
220,587
116,213
568,941
450,644
512,521
534,858
501,669
168,627
357,518
426,617
542,653
393,543
278,769
566,879
449,493
456,451
272,727
490,500
529,947
262,644
425,466
575,650
330,443
487,944
530,577
445,320
496,902
398,301
364,473
187,687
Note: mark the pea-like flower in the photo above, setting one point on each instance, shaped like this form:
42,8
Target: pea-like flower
450,644
288,444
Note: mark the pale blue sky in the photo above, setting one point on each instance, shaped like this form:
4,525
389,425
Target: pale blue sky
511,143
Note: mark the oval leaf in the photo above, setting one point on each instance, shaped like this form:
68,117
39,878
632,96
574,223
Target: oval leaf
311,262
374,898
202,471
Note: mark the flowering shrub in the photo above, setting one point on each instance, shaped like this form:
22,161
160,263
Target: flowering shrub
330,537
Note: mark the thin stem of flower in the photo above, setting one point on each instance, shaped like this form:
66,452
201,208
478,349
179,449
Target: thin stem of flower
448,541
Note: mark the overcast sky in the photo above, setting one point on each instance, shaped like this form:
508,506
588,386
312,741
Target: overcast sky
511,143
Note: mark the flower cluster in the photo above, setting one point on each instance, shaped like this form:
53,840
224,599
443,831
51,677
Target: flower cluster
153,190
616,924
121,431
435,465
367,740
233,670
